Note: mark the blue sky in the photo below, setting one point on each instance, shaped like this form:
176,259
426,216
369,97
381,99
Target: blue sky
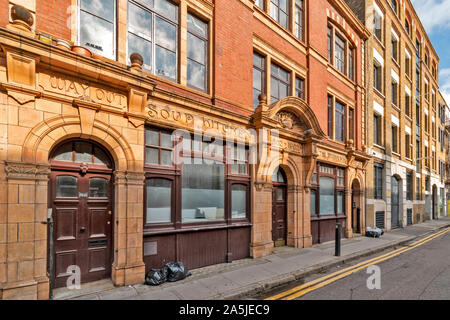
435,17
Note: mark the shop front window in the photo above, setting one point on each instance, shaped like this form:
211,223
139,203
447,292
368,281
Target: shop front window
159,200
327,196
239,194
327,191
208,183
203,191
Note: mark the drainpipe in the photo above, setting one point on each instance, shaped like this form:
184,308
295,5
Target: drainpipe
49,223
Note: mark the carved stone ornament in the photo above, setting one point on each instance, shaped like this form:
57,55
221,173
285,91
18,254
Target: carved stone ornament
84,168
288,120
24,171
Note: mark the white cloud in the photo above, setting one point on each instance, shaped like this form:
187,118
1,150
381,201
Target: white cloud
434,14
444,76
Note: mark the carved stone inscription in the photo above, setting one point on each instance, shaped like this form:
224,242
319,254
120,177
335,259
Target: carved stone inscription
329,156
198,122
81,90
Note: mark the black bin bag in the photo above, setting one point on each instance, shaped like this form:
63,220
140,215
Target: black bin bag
177,271
155,277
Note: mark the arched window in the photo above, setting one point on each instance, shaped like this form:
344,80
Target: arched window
81,152
279,176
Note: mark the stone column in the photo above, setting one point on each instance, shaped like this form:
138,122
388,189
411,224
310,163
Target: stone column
261,242
23,232
128,267
293,222
348,214
305,216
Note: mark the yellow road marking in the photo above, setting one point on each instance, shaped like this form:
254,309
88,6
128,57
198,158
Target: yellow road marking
349,270
322,284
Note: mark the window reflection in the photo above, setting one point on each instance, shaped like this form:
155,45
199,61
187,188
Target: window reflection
152,32
97,26
139,21
197,46
101,8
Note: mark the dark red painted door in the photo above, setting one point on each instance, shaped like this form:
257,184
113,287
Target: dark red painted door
81,208
279,215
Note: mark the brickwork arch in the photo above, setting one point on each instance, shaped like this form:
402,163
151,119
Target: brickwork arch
45,136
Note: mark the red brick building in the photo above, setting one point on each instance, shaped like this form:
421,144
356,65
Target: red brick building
92,174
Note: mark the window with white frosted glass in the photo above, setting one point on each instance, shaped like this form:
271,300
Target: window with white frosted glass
313,202
159,200
153,33
197,53
327,196
97,24
202,191
239,201
340,202
66,187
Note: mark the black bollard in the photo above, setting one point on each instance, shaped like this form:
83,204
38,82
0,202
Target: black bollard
337,242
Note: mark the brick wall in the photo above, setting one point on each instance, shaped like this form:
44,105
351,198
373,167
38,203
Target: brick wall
3,13
233,51
52,16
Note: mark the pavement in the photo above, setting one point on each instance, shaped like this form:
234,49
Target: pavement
251,277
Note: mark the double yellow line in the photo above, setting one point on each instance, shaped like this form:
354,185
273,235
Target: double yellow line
303,289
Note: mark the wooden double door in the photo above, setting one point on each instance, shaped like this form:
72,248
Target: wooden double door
82,225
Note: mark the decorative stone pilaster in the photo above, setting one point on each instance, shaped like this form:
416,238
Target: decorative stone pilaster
261,237
348,214
128,266
23,236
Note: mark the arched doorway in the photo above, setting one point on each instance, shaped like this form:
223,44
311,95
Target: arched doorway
356,207
395,202
81,200
279,208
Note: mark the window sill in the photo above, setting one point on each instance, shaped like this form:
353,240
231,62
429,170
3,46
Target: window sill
340,73
197,228
378,92
396,154
408,77
379,42
379,147
396,63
